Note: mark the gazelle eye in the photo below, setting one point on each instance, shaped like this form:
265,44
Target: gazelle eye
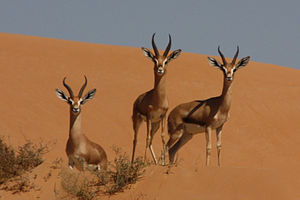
165,62
224,69
70,101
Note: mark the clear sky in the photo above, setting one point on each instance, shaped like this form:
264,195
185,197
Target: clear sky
266,30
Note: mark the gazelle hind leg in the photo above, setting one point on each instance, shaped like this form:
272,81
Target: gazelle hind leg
182,141
136,120
175,135
219,143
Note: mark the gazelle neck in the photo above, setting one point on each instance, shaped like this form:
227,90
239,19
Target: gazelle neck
226,95
75,125
159,90
160,82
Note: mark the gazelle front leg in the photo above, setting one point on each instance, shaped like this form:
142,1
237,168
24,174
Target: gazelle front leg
71,163
147,138
163,123
208,144
219,143
153,130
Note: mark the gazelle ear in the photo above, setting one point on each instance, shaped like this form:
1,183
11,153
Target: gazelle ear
60,94
213,62
173,55
243,62
88,96
148,53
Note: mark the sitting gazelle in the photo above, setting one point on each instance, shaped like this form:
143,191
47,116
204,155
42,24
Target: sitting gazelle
80,150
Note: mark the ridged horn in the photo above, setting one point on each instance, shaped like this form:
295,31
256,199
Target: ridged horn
154,46
68,88
82,88
235,56
168,47
222,56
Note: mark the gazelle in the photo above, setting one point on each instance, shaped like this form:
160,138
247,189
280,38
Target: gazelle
80,150
199,116
152,106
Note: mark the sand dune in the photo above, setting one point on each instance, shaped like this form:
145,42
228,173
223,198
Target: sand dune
260,140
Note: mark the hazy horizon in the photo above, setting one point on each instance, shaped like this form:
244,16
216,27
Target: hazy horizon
267,31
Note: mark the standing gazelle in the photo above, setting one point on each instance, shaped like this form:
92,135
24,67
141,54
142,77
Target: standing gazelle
199,116
80,150
152,106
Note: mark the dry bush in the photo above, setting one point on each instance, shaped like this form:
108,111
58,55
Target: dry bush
57,163
121,172
77,185
18,184
15,163
89,184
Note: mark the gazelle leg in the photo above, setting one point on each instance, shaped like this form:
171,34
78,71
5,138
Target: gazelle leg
148,138
208,145
175,135
182,141
219,143
163,123
136,120
71,163
154,128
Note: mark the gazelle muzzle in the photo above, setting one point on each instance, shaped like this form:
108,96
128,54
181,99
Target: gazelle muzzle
160,70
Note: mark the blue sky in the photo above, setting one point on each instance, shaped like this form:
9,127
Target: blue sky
266,30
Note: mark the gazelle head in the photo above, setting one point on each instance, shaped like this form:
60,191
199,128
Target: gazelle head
161,61
75,102
229,68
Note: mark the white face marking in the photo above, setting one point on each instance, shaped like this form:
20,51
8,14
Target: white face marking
164,63
225,70
71,100
229,75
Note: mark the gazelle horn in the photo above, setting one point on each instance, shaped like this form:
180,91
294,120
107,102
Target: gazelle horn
168,47
68,87
222,56
235,56
154,46
83,87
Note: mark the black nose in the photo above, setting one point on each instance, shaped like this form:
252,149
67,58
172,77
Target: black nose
75,110
229,78
160,71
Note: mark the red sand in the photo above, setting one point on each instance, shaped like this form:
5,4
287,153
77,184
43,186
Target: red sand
260,156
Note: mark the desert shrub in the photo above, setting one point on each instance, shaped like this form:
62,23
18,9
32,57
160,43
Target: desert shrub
121,172
7,161
30,155
77,185
119,175
18,184
14,163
